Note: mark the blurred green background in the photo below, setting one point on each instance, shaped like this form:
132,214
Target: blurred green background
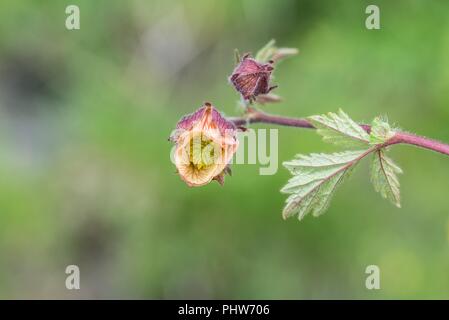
86,177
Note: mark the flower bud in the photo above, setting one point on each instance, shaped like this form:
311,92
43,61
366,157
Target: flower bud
252,78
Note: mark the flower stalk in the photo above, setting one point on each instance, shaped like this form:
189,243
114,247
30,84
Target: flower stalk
256,116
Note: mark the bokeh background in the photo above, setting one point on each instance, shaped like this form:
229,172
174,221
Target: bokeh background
86,178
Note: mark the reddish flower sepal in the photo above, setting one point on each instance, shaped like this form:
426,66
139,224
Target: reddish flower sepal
252,78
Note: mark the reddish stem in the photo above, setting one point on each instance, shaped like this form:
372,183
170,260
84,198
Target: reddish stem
426,143
400,137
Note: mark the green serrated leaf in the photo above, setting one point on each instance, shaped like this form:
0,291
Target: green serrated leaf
316,177
381,131
320,160
339,129
384,177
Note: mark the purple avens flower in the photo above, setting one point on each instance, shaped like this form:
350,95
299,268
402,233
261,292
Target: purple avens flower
205,143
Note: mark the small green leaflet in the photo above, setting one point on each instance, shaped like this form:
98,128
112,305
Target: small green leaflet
339,129
316,176
237,57
380,131
383,170
384,178
265,54
271,52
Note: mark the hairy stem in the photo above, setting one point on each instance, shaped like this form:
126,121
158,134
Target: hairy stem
423,142
254,116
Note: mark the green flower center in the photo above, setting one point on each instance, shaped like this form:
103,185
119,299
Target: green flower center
202,152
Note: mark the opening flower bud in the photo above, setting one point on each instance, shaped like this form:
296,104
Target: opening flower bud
205,144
